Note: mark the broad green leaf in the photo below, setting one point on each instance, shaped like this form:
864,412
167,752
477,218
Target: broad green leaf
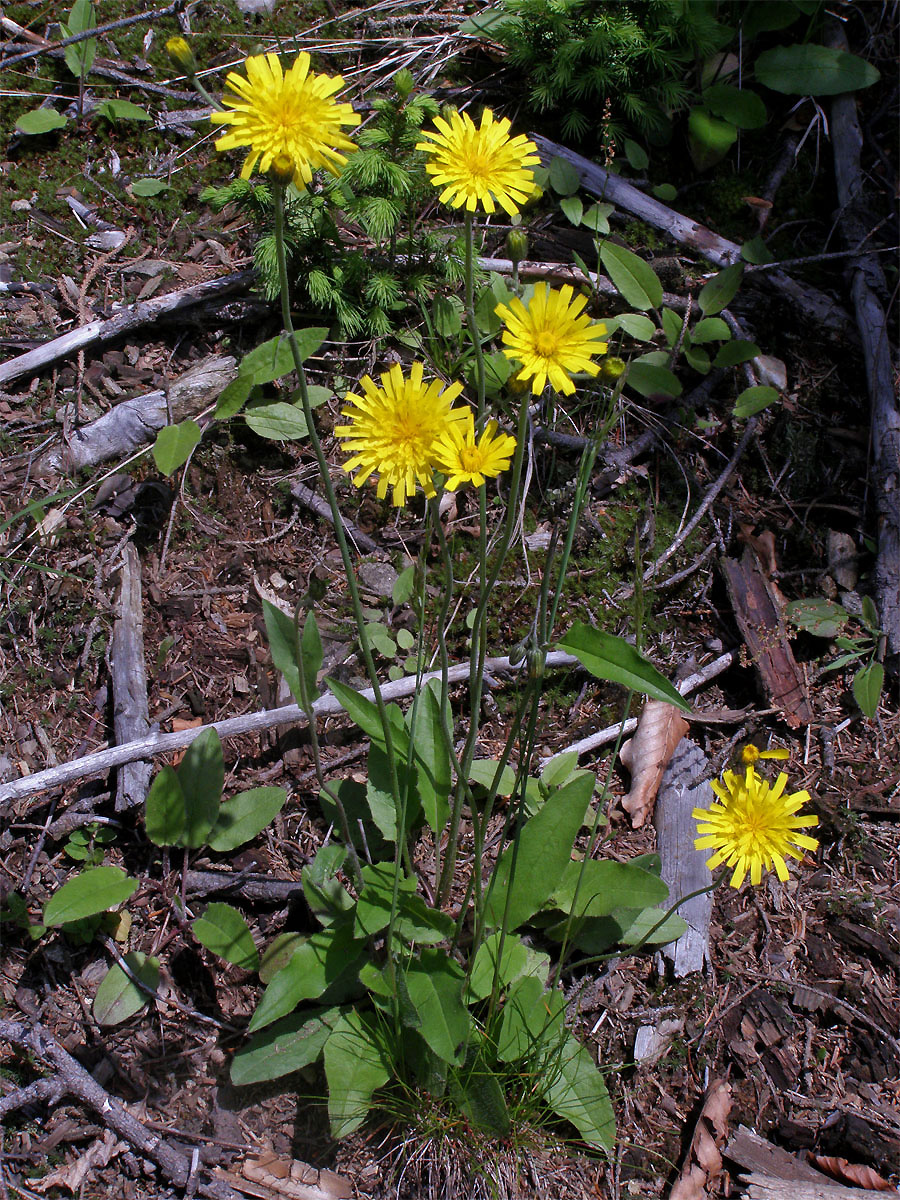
79,58
174,444
596,218
532,1018
118,996
224,931
165,812
755,399
525,876
234,397
329,902
92,891
709,138
40,120
710,329
513,962
380,795
287,1046
811,70
738,105
201,774
282,635
756,251
432,757
560,769
242,817
573,209
279,422
735,352
651,379
476,1092
636,325
696,357
599,886
483,770
447,314
485,318
356,1065
274,358
575,1090
869,615
365,713
719,291
124,110
653,928
672,325
81,17
564,178
149,187
638,158
435,984
769,16
818,616
311,654
404,585
278,954
666,193
612,658
634,279
325,962
867,685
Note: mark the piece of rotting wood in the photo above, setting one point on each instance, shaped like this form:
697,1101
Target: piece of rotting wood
758,614
814,305
756,1154
133,424
685,786
131,714
867,285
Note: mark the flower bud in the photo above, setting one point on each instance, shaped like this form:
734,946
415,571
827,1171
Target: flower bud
516,245
182,56
281,171
612,368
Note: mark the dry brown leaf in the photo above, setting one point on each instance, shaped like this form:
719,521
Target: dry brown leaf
855,1174
660,728
72,1175
704,1162
295,1180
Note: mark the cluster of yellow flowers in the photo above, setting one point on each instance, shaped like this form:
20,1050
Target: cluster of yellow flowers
403,431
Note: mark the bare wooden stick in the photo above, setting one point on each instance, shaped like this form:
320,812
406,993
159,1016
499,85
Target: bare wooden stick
815,305
146,312
129,680
867,285
290,714
306,496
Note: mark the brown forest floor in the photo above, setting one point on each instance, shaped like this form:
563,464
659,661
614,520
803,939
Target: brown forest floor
800,1008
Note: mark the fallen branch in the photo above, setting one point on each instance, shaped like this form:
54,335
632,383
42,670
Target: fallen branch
306,496
867,285
129,680
146,312
290,714
815,305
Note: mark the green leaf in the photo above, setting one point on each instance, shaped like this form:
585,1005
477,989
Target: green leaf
311,654
483,770
513,964
201,774
487,23
564,178
523,880
612,658
40,120
118,996
709,138
365,713
234,397
435,984
325,962
149,187
741,107
328,900
477,1093
755,399
356,1065
710,329
80,57
634,279
165,811
575,1091
447,314
597,218
735,352
373,908
665,193
124,110
636,325
638,158
869,616
560,769
426,736
810,70
243,816
648,379
756,251
224,931
404,585
274,358
672,325
532,1017
719,291
282,635
278,954
287,1046
497,369
174,444
653,928
573,209
823,618
606,885
867,685
92,891
279,422
697,358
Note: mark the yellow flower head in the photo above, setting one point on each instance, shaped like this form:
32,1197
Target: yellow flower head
465,460
479,164
754,825
395,429
293,114
552,338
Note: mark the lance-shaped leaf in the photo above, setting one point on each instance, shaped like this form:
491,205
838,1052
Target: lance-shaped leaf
612,658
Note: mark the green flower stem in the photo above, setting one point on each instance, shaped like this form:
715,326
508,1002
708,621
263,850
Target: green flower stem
474,332
201,91
325,476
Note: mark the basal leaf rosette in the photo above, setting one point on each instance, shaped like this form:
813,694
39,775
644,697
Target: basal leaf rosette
293,113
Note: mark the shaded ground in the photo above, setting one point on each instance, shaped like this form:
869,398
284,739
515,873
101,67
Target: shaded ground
799,1009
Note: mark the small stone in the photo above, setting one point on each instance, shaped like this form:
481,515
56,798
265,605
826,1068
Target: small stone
21,206
378,578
